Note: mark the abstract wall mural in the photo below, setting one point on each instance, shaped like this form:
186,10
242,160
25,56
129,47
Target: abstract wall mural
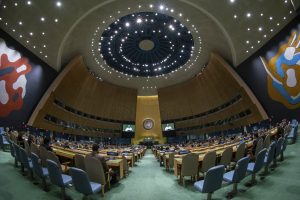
23,80
13,81
284,73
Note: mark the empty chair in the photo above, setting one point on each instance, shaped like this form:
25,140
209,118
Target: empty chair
278,150
96,172
208,162
189,167
43,155
240,152
254,167
57,178
226,157
3,143
212,181
284,145
169,163
34,149
267,141
82,183
18,156
259,146
26,162
269,157
235,176
38,170
52,156
125,166
27,147
79,162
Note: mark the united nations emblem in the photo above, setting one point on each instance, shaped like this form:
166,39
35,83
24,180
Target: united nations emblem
284,73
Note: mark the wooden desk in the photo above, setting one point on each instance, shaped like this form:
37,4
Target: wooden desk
117,163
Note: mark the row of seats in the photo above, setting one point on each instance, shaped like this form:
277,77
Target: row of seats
43,164
293,132
216,175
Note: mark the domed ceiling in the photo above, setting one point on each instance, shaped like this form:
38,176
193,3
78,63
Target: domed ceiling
144,44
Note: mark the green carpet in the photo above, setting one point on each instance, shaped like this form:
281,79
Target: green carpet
149,181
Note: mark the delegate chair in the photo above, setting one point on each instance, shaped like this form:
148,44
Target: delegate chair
254,167
259,146
267,141
12,153
240,152
27,147
208,162
269,157
278,150
170,163
212,181
82,183
34,149
26,162
96,172
189,167
79,162
43,155
38,170
3,143
52,156
284,145
237,175
57,178
125,166
226,157
18,156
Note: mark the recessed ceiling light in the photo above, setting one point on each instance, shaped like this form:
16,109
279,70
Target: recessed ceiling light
261,14
21,36
28,2
235,16
42,19
58,4
43,33
161,7
20,23
127,24
151,6
271,18
247,41
31,33
56,20
248,29
16,4
139,20
260,29
232,1
248,14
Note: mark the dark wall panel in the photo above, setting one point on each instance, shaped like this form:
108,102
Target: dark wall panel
37,77
254,73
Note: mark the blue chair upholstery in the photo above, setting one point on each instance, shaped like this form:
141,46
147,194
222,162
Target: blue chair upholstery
57,178
38,170
237,174
81,182
269,157
284,145
212,181
17,156
26,161
278,150
3,142
254,167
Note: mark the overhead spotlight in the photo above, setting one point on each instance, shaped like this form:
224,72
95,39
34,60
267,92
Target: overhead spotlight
127,24
139,20
58,4
248,15
161,7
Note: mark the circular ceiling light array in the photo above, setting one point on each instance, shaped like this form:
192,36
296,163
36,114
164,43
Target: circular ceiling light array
146,44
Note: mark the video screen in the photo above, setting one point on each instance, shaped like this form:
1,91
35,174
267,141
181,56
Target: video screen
128,128
168,127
